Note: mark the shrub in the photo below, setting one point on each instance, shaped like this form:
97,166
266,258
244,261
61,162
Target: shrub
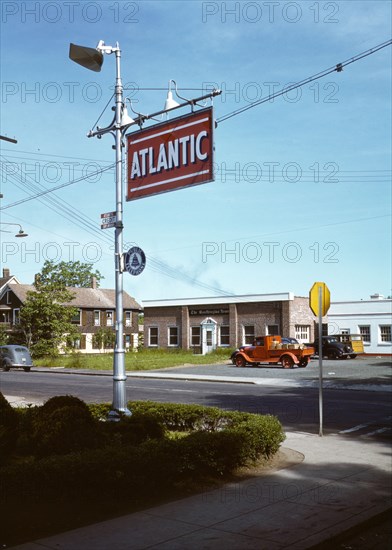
62,425
134,429
99,463
8,428
60,401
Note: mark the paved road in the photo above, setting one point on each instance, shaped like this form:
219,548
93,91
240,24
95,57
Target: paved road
356,400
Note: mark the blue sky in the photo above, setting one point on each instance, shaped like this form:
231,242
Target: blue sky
302,187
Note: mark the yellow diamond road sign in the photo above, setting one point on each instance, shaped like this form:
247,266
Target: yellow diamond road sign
314,298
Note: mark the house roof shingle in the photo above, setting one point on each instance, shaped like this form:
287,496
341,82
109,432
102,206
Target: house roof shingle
91,298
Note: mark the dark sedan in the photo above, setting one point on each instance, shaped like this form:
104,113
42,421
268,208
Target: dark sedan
15,356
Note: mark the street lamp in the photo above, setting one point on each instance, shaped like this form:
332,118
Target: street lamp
20,233
92,59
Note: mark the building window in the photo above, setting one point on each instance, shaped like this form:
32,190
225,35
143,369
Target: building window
272,330
249,334
195,336
224,335
8,296
5,317
76,318
76,343
302,333
385,333
127,341
364,331
173,336
153,336
128,318
97,318
109,318
16,317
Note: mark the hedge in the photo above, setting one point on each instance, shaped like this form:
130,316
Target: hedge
65,454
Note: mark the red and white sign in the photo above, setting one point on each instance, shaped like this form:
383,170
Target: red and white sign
171,155
108,220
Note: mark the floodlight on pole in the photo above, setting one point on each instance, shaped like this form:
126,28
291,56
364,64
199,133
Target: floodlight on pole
93,60
170,103
20,233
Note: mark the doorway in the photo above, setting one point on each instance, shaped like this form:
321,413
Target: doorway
208,335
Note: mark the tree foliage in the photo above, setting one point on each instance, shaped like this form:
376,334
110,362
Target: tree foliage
45,320
46,316
104,338
67,274
3,336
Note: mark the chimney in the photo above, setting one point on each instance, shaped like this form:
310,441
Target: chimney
6,273
93,282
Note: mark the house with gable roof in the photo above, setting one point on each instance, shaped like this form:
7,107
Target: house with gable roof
96,311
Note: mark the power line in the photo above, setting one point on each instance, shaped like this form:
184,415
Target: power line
79,219
52,189
338,68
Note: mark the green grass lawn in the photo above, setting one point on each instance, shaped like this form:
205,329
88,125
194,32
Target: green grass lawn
145,359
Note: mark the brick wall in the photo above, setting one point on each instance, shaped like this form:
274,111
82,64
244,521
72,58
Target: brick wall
284,314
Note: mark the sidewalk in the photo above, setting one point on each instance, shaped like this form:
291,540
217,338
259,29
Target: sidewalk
337,483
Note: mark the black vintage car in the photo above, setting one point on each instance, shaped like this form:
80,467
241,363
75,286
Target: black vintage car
333,348
15,356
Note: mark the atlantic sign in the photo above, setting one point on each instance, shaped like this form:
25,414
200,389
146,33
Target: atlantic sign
171,155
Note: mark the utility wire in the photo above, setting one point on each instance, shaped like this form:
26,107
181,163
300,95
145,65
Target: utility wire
52,189
79,219
338,68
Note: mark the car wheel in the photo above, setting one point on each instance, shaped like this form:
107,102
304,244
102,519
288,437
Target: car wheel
26,369
353,355
333,355
240,361
303,363
287,362
6,366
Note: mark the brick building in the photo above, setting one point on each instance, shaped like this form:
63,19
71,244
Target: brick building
96,314
204,324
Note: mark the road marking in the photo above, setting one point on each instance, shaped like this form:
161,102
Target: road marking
379,431
367,425
163,388
355,428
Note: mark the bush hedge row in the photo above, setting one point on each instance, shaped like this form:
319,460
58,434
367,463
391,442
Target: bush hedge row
63,452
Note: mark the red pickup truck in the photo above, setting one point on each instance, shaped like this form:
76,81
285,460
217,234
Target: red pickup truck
269,349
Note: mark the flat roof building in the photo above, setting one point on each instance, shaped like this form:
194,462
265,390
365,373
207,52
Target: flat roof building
203,324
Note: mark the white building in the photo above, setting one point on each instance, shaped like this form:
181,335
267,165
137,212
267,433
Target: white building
370,318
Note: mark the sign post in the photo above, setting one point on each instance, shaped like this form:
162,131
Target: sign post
319,301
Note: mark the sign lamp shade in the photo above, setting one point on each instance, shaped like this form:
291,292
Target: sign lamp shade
90,58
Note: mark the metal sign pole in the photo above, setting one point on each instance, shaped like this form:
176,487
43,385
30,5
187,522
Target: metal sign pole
320,352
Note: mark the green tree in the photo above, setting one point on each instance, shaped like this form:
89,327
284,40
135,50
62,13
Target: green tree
3,336
45,320
104,337
67,274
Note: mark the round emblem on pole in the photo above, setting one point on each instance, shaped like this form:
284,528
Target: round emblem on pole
135,260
